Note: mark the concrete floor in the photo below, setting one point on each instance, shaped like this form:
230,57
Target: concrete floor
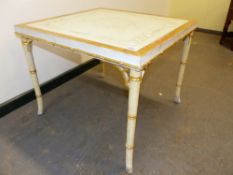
83,129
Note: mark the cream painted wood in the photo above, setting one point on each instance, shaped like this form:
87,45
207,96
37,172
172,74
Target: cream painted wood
27,46
98,32
134,89
109,25
187,44
125,75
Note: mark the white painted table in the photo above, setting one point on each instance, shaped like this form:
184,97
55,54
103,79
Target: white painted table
128,40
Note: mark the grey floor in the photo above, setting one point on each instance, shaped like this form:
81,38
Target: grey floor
83,129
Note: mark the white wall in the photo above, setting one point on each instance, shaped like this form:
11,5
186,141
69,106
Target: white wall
208,13
14,78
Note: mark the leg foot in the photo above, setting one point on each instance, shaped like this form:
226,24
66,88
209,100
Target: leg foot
177,100
129,171
40,106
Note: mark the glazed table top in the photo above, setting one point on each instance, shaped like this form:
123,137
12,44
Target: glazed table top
120,37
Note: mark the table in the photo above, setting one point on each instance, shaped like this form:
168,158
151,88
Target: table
128,40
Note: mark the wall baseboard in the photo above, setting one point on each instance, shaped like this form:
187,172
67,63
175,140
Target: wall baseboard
215,32
28,96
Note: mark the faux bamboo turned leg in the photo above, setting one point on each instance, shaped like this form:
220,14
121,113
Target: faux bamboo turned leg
27,45
187,44
134,88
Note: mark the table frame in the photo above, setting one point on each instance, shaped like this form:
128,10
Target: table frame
132,78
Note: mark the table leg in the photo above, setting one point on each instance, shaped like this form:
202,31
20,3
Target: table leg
27,46
134,88
187,44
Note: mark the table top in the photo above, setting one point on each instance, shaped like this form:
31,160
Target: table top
121,33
